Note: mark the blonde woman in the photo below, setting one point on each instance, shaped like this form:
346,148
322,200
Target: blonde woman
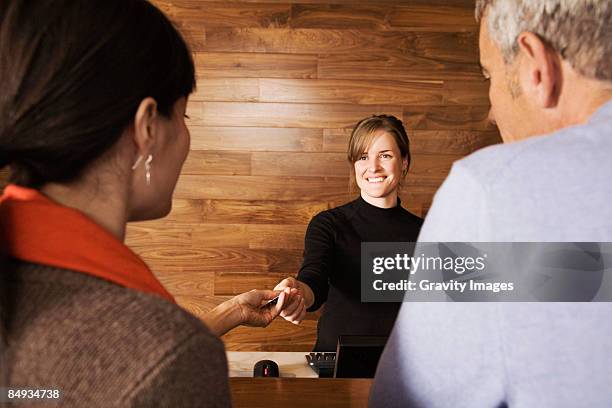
330,273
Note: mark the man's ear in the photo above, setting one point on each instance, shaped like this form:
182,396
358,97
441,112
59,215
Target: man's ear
539,70
145,125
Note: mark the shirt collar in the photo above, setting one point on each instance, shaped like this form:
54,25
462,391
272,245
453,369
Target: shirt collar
38,230
603,113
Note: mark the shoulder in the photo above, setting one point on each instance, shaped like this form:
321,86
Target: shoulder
410,218
89,322
494,165
334,216
114,318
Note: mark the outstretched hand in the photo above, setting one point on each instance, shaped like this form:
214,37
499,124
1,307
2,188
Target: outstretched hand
253,309
295,308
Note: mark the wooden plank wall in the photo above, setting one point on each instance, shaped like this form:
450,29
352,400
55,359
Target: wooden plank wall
280,85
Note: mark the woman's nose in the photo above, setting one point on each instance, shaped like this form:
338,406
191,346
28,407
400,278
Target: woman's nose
374,165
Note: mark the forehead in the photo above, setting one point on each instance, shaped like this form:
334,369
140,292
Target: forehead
382,140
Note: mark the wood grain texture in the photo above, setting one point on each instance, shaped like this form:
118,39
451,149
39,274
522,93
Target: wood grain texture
281,83
227,89
291,115
164,255
244,138
396,66
261,188
351,91
431,17
341,16
300,392
279,331
231,284
448,117
224,14
448,47
217,162
261,211
254,65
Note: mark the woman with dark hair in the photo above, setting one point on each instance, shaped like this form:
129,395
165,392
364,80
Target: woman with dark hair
92,126
379,154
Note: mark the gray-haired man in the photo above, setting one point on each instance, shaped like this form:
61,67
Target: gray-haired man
550,67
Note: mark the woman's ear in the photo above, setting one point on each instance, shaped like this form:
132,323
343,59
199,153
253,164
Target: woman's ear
145,125
405,166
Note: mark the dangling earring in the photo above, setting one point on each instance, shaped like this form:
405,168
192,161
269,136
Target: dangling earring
137,162
148,169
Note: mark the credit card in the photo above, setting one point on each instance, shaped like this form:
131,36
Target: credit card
271,302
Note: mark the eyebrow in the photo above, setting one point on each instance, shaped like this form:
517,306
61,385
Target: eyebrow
382,151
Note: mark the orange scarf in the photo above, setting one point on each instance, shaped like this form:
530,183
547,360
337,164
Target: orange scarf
38,230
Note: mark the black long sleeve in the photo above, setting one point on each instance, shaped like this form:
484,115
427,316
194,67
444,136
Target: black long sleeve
331,267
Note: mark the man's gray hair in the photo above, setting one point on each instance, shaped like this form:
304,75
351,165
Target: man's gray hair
579,30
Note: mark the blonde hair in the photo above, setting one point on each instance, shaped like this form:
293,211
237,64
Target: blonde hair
579,30
363,134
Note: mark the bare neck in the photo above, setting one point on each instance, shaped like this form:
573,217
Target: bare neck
105,204
581,98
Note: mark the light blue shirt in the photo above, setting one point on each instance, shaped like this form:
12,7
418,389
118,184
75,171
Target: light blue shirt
554,188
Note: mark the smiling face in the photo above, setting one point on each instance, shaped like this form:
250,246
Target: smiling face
379,170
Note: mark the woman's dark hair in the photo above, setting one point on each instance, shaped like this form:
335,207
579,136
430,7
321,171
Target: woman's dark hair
73,73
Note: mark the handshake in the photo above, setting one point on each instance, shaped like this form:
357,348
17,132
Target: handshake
297,297
257,308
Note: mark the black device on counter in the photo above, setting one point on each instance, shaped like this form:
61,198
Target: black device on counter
355,357
322,363
265,368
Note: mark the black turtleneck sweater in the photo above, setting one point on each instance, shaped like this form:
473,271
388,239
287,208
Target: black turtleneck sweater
331,267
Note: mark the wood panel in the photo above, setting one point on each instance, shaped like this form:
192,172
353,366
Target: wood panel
254,65
227,89
459,3
224,14
300,392
281,83
279,331
433,17
167,255
445,47
448,117
351,91
261,188
261,211
408,17
291,115
391,65
231,284
220,162
341,16
244,138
